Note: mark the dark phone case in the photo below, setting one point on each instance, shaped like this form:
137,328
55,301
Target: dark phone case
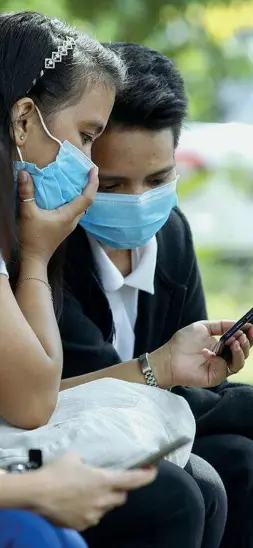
224,350
225,353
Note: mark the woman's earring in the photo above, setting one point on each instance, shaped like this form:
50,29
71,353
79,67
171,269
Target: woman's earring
21,137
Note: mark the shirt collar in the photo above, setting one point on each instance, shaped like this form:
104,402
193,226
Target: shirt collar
143,264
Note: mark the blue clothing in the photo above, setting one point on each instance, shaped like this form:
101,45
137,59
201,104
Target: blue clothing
21,529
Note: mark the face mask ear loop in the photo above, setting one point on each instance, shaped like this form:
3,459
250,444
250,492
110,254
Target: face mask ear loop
20,155
45,128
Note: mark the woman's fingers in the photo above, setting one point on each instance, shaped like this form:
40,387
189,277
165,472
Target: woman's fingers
131,479
93,178
26,190
80,204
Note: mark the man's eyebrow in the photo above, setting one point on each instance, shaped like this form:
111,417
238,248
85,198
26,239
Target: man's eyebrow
115,176
166,169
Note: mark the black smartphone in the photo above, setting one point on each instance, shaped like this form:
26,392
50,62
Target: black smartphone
224,350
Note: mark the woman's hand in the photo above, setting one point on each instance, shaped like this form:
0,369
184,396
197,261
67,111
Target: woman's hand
41,231
189,358
72,494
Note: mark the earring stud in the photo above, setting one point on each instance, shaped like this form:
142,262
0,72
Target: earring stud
21,137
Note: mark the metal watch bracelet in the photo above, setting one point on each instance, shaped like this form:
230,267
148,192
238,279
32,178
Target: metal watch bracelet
147,371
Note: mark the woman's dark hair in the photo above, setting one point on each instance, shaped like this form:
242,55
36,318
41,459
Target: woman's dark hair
26,40
7,209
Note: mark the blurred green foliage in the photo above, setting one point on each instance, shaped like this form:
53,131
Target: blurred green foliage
177,28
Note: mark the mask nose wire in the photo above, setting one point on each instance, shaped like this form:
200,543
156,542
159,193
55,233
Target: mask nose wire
46,131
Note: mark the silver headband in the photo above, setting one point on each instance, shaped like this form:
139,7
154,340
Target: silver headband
56,57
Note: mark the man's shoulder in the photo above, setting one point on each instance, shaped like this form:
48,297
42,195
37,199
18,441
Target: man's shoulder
176,230
175,247
175,236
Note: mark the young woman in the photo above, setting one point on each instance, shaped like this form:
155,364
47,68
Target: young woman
48,75
64,492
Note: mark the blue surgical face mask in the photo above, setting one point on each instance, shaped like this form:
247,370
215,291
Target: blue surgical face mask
125,221
63,179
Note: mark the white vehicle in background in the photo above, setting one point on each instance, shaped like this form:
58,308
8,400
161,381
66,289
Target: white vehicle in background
216,186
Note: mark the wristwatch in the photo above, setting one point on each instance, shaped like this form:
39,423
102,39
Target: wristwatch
146,369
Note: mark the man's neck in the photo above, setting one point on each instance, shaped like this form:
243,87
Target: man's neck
121,258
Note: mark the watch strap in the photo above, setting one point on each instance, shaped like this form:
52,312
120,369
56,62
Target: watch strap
146,369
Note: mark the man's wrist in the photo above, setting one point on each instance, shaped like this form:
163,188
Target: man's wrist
161,365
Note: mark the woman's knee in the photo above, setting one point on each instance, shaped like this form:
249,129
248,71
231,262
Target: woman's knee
21,528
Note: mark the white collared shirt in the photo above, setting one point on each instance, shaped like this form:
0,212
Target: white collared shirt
122,293
2,266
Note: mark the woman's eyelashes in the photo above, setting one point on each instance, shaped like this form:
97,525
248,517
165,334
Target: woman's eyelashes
87,139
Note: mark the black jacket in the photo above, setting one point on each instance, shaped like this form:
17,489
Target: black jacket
87,323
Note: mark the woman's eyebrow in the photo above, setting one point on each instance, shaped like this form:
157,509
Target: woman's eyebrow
95,125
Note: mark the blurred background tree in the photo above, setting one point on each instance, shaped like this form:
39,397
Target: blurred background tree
195,33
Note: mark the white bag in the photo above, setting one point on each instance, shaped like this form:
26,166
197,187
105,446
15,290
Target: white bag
110,423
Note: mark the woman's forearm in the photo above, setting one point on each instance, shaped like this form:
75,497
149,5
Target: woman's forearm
19,490
29,373
126,371
34,299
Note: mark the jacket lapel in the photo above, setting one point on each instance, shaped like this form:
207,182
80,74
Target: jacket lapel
82,276
159,315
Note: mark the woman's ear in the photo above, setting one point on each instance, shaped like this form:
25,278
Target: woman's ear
23,113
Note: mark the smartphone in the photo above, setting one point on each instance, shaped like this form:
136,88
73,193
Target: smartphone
152,460
223,350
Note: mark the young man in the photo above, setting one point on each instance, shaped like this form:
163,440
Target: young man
132,291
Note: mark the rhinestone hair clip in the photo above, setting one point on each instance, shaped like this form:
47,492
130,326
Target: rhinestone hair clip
49,63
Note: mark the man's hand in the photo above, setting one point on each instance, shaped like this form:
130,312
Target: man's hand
189,358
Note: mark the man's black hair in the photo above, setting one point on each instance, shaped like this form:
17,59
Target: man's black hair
154,96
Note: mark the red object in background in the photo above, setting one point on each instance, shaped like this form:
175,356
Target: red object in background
189,160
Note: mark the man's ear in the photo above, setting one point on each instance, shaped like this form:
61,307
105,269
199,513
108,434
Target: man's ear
22,115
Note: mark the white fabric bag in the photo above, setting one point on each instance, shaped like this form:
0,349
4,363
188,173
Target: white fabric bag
110,423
